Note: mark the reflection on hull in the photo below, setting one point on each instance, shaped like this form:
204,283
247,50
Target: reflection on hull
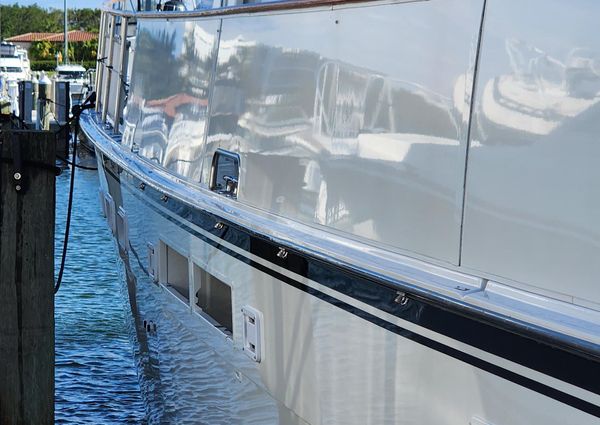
184,359
297,103
345,215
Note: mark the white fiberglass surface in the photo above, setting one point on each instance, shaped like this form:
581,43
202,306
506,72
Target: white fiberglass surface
188,369
167,106
352,118
532,205
321,364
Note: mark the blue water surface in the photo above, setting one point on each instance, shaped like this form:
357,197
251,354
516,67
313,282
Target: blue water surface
96,380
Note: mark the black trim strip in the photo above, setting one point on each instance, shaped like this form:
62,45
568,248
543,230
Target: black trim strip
545,358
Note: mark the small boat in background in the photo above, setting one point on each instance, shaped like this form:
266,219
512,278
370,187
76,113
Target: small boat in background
76,76
14,67
14,62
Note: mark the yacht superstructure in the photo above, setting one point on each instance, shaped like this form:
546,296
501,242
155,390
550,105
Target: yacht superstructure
356,212
14,62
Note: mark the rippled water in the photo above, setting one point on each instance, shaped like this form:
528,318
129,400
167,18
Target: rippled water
96,380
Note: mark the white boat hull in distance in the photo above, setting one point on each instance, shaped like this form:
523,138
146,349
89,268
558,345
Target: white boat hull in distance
357,212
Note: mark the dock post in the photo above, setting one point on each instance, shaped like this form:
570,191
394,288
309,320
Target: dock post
27,202
36,92
44,107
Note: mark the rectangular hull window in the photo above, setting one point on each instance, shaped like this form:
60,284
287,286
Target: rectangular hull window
177,276
213,298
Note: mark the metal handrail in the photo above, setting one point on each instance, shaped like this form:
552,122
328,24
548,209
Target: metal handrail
273,6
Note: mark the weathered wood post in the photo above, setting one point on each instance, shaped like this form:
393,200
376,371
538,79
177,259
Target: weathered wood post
27,201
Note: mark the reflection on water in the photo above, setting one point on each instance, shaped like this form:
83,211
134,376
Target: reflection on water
96,381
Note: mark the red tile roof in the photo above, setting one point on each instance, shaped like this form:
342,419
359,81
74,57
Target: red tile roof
73,36
30,36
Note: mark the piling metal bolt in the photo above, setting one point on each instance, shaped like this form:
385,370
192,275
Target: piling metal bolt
17,176
18,188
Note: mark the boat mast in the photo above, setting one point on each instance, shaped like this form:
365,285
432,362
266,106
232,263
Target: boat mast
66,43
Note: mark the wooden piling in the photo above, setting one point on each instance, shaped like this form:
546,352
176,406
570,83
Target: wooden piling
27,278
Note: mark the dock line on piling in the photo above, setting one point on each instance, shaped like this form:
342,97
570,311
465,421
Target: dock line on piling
89,103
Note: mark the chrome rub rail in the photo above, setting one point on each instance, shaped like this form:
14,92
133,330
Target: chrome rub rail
417,279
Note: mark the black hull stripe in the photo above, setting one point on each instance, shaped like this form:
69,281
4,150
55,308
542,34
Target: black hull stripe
566,366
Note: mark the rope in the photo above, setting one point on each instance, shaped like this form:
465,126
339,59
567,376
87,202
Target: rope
76,114
82,167
137,257
89,102
69,209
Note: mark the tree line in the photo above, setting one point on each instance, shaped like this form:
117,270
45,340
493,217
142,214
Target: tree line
16,20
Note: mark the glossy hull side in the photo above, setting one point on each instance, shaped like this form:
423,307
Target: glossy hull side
532,205
185,367
324,362
401,220
415,129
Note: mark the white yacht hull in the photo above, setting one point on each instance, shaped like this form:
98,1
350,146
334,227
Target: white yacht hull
357,212
332,353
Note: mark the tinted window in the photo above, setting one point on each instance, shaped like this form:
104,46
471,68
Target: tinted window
71,74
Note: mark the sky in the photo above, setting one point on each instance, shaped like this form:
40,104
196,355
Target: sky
57,4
